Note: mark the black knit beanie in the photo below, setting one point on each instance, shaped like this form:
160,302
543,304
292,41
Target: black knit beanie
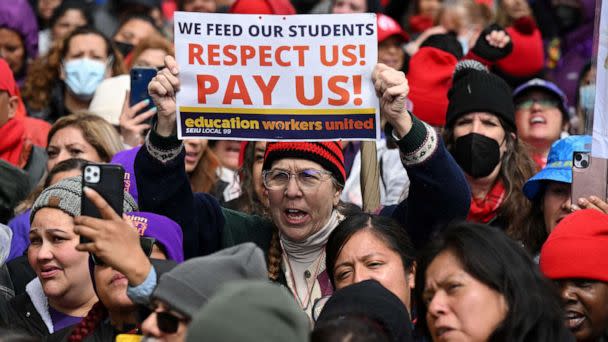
475,89
369,299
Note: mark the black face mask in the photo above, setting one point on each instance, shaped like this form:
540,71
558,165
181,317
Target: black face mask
476,154
124,48
568,17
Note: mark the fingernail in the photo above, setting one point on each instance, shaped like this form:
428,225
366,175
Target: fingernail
174,70
581,201
147,101
154,109
86,188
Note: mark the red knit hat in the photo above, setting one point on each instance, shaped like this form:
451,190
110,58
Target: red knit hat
577,247
430,78
328,154
388,27
281,7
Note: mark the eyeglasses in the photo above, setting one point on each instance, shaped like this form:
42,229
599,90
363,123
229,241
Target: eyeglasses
307,179
146,243
528,103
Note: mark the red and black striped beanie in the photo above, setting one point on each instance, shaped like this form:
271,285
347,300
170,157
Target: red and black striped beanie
328,154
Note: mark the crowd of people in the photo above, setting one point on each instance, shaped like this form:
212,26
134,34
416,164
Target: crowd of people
483,104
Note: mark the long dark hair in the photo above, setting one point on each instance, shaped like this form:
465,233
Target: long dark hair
491,257
516,168
384,228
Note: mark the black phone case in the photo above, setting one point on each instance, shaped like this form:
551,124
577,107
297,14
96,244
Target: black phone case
110,187
140,78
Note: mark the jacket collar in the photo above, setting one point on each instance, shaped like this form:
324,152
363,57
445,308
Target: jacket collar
40,302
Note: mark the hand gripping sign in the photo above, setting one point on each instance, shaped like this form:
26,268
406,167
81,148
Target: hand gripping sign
267,77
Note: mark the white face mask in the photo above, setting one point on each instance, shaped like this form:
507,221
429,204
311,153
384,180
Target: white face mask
83,75
586,95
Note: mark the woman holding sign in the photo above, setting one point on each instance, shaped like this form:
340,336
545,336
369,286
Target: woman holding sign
303,181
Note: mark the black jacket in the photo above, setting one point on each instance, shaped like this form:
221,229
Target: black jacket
20,314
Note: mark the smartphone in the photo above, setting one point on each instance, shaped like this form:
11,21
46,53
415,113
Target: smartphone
108,181
589,176
140,78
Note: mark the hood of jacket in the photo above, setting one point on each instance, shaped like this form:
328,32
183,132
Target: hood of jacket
18,16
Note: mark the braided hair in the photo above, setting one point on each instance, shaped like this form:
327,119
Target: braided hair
274,257
89,323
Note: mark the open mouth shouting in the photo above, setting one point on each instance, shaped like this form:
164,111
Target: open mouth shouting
295,216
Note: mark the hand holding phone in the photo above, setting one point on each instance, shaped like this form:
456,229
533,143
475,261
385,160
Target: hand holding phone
133,125
112,238
108,181
589,176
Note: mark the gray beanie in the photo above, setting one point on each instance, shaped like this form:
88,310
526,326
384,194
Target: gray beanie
250,311
189,285
65,195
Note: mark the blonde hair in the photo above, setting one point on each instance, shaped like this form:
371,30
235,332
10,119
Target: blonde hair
95,130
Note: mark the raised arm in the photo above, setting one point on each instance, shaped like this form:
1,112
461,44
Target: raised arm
438,191
161,177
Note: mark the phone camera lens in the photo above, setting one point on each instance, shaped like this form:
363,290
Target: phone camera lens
87,178
94,174
578,157
584,163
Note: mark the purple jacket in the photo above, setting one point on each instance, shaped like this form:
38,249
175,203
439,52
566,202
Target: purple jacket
20,225
126,158
576,50
18,16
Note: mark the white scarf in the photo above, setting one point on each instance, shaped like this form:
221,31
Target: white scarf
303,254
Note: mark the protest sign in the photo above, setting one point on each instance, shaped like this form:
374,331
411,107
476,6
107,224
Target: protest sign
599,147
265,77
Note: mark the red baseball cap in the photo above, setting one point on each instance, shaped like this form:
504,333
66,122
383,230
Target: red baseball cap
281,7
388,27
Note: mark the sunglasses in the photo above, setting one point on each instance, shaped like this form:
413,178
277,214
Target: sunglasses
167,322
146,243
